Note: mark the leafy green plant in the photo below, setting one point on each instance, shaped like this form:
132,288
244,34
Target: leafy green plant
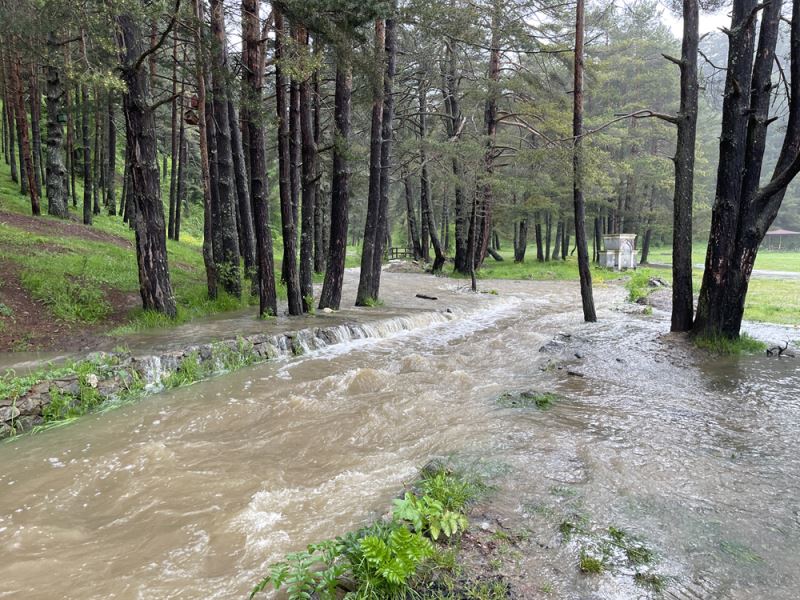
722,345
428,515
311,571
454,491
528,399
189,371
373,302
590,563
309,302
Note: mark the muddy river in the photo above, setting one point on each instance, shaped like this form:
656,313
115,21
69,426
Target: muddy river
191,493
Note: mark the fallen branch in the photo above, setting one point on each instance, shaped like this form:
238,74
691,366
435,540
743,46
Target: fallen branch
426,297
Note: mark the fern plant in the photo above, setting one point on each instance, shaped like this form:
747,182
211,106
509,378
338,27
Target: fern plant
428,515
314,571
383,558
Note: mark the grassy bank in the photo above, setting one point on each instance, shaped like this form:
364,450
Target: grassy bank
768,300
82,276
767,260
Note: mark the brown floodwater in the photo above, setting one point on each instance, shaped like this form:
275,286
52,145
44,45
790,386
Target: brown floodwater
191,493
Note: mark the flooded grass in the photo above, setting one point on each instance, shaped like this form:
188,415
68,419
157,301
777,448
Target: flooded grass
722,345
528,399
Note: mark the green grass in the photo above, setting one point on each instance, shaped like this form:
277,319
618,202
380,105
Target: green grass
73,276
767,260
722,345
528,399
556,270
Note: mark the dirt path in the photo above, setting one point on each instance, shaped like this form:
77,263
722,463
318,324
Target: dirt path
52,227
27,324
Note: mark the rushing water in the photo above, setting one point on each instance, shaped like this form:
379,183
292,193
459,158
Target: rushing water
191,493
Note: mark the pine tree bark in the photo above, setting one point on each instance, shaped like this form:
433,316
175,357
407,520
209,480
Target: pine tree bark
253,83
743,210
228,260
36,134
151,248
365,281
205,159
56,171
247,234
97,154
587,299
26,159
682,294
331,296
319,207
309,187
289,270
111,174
173,179
387,123
411,217
426,209
12,139
87,157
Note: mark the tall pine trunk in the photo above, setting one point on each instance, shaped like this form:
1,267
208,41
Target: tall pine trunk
387,122
228,260
151,245
253,83
365,285
331,296
309,186
587,299
56,171
289,270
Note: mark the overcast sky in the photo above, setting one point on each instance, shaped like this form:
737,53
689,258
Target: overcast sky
708,21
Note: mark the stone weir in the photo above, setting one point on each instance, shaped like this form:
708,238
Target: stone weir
103,380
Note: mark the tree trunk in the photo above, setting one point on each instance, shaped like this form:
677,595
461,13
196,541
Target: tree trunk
387,121
11,118
289,268
539,245
253,79
742,210
412,218
228,260
173,178
340,185
182,157
151,247
557,241
246,232
205,160
295,147
98,158
111,175
426,209
309,185
365,285
24,143
587,299
521,242
36,133
56,172
485,195
565,239
87,157
319,204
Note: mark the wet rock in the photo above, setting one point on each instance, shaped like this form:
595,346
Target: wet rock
656,282
8,413
26,423
578,355
32,403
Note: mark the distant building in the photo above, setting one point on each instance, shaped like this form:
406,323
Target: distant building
781,239
620,251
